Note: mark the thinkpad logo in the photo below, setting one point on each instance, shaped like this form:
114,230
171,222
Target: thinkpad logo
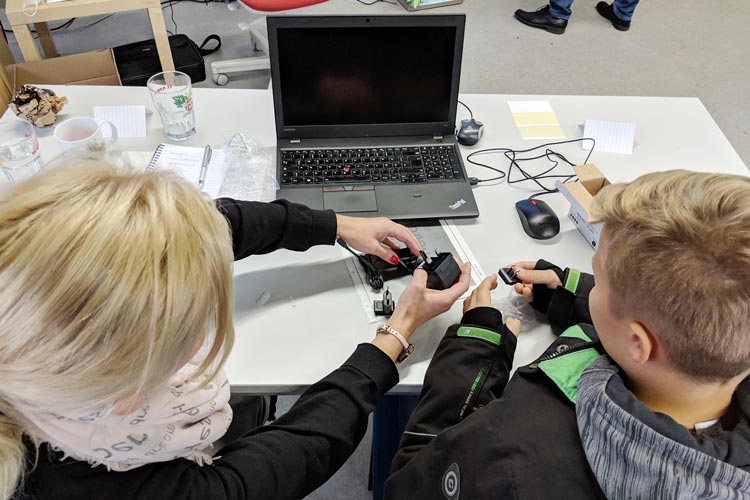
452,482
458,204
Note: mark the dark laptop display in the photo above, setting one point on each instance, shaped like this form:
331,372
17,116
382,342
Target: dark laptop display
389,77
365,114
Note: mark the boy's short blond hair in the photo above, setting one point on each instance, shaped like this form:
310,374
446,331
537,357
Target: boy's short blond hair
678,259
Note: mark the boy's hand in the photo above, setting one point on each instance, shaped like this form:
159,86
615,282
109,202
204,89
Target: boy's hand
525,272
481,297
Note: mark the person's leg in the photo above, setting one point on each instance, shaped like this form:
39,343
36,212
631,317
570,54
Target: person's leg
610,12
555,21
560,8
624,9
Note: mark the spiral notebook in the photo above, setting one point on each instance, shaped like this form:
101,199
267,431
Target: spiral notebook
187,161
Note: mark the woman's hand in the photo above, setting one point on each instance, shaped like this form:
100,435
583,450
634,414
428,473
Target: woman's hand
374,236
482,297
529,276
417,305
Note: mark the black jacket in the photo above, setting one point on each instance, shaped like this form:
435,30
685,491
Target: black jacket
475,435
284,460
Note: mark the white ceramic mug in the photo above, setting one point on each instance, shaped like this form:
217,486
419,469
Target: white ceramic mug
84,131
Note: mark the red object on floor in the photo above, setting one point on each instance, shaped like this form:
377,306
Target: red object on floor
278,5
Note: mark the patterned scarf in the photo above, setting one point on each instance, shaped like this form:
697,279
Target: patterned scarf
178,420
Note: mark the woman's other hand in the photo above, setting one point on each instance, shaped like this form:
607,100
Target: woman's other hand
374,236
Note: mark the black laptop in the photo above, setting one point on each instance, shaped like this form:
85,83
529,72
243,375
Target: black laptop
365,114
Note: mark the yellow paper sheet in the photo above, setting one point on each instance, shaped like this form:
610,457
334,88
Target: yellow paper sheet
536,120
548,118
542,132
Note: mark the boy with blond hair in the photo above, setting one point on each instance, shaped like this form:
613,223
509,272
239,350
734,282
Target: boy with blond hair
644,394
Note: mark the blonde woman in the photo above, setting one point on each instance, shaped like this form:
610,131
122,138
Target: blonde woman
115,320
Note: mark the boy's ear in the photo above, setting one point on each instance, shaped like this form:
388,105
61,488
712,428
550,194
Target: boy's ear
643,345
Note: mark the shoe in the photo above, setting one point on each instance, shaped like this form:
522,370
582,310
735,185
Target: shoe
542,19
608,12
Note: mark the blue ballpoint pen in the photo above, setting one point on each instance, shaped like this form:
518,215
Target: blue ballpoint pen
204,166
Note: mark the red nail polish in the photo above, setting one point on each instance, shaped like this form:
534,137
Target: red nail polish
395,260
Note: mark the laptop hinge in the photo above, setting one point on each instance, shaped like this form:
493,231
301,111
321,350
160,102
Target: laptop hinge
295,141
438,137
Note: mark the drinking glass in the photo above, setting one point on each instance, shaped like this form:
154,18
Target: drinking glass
172,95
19,150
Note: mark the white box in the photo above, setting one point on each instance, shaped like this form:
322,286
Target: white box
579,194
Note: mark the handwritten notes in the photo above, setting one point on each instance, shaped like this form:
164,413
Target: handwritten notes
187,162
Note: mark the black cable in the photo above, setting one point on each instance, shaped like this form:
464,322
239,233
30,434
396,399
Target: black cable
467,109
63,26
171,13
375,1
204,2
515,160
85,26
374,277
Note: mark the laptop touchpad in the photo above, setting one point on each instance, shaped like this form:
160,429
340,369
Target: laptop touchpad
350,198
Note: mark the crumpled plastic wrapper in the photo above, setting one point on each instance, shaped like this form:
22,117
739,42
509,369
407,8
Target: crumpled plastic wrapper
251,170
37,106
515,306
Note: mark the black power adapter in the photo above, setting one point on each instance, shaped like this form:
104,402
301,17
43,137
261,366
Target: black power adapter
442,271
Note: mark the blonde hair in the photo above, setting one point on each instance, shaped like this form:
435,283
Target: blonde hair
109,279
678,257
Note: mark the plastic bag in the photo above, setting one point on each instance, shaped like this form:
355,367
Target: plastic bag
515,306
251,170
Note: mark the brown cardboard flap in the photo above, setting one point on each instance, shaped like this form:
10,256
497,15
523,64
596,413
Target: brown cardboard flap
580,193
89,68
590,177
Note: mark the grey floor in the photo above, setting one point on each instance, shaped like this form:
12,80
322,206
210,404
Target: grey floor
688,48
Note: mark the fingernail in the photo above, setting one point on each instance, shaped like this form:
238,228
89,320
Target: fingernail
395,260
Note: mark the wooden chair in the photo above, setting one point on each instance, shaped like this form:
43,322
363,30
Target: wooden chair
20,16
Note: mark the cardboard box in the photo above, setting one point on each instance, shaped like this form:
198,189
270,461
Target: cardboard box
89,68
579,194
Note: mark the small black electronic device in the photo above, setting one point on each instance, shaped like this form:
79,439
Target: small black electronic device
442,271
538,219
470,132
508,275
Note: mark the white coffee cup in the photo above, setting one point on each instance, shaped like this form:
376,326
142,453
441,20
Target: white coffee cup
84,131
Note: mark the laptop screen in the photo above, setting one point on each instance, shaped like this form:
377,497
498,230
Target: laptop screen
351,76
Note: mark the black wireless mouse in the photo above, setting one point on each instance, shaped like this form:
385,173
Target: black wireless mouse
538,219
470,132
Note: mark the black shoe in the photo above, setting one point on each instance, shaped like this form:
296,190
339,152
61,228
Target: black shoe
608,12
542,19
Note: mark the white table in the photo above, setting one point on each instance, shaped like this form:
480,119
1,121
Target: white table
314,318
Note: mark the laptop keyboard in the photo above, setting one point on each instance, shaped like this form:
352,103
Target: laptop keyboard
405,165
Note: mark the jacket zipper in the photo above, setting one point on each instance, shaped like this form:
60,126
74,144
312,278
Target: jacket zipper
573,348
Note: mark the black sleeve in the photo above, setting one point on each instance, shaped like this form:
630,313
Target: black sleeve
284,460
566,305
470,368
259,228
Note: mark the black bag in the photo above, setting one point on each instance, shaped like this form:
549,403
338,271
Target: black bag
139,61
